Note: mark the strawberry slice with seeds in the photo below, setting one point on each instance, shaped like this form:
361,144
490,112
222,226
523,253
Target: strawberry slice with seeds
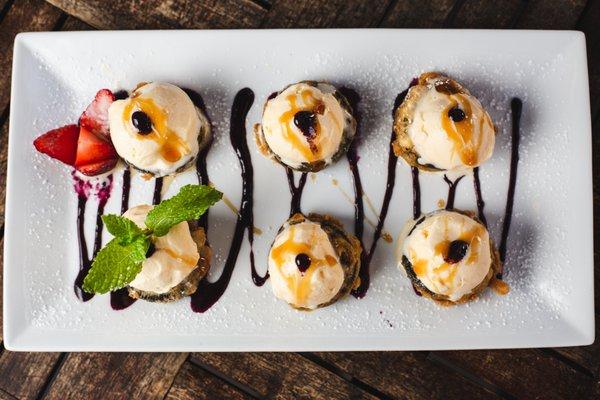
95,116
95,153
60,143
97,168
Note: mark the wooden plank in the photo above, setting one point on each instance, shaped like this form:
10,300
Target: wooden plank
589,23
406,375
7,396
325,14
75,24
23,375
115,376
158,14
486,14
425,14
523,373
556,14
193,382
281,375
24,15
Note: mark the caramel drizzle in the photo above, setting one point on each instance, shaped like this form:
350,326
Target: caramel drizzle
299,283
172,148
446,273
462,133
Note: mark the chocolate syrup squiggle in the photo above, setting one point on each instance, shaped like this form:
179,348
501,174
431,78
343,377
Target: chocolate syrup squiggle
452,185
295,190
416,185
119,299
83,189
359,215
208,293
201,167
516,106
157,195
480,202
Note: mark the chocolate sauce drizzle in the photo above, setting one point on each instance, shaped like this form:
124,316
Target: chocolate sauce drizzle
416,185
201,166
208,293
452,185
359,214
516,106
480,202
156,197
295,190
119,299
85,262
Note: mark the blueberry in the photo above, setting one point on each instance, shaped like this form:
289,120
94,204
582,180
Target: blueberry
303,262
141,122
456,251
306,121
456,114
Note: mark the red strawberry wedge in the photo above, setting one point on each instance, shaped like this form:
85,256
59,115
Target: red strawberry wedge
60,143
95,116
97,168
95,153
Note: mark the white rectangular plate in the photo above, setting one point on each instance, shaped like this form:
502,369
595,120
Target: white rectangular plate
549,265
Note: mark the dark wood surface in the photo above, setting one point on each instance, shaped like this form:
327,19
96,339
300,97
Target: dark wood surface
528,373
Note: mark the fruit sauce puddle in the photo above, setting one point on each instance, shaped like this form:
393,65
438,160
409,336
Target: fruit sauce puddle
208,293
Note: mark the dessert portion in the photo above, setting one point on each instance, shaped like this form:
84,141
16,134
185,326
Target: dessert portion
307,126
86,145
158,253
440,126
174,263
158,129
313,262
448,256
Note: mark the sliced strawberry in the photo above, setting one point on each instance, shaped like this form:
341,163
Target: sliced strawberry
93,149
97,168
95,116
60,143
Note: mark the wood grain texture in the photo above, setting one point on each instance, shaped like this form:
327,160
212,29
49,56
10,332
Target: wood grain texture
115,376
159,14
281,375
325,14
526,373
589,23
406,375
75,24
426,14
193,383
487,14
23,375
554,14
23,16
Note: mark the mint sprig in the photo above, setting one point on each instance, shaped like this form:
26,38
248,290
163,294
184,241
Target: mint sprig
122,228
190,203
119,262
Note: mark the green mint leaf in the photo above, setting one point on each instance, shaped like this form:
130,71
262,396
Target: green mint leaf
116,265
122,228
190,203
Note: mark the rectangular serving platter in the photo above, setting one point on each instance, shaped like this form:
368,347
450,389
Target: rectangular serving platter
549,263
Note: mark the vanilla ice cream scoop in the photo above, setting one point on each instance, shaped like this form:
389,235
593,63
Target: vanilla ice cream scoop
158,129
441,126
307,126
448,255
174,258
308,267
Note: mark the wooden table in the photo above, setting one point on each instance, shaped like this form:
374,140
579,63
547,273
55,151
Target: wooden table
539,373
